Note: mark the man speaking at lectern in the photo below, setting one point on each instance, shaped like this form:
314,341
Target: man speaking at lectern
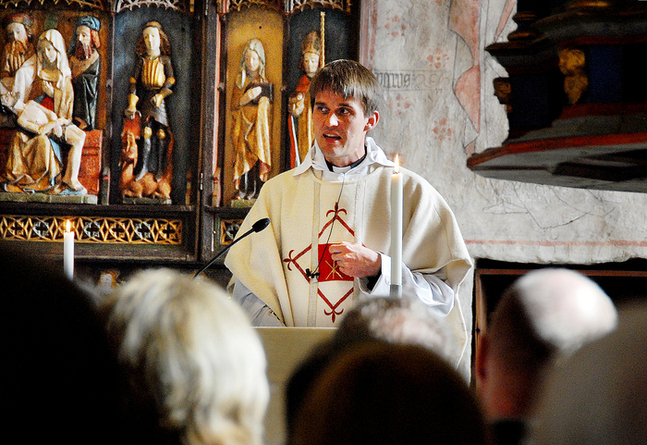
328,241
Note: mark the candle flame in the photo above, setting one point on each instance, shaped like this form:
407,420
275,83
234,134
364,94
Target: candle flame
68,226
397,165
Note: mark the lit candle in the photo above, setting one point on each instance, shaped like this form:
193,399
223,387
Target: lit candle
396,226
68,250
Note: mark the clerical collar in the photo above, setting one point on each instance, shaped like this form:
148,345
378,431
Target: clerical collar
316,161
333,168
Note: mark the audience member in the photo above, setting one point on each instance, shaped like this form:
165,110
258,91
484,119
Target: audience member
544,315
599,395
60,380
194,369
380,393
399,320
391,320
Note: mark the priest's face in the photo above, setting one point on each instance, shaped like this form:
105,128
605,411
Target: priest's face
340,127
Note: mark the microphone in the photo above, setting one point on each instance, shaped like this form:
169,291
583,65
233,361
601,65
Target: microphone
259,225
311,274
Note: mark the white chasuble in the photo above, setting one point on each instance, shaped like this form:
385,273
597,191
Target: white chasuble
333,219
308,213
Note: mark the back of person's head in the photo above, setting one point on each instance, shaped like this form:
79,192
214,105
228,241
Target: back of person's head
599,395
347,78
194,368
544,315
397,320
390,320
60,379
380,393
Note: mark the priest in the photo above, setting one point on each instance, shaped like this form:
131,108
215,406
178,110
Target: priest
328,241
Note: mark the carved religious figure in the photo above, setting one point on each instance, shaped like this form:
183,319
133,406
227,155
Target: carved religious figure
45,139
150,85
503,91
251,106
18,48
300,121
85,64
571,64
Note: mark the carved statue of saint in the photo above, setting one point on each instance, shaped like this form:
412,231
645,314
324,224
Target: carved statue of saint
150,85
300,121
85,64
251,106
17,49
35,160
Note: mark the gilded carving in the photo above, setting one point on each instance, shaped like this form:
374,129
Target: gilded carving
85,63
146,159
175,5
502,90
42,100
228,230
343,5
92,230
571,64
97,4
300,120
238,5
251,108
289,6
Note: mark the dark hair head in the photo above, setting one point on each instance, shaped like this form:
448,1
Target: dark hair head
379,393
55,352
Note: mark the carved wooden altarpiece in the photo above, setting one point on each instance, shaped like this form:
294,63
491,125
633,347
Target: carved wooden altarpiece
207,39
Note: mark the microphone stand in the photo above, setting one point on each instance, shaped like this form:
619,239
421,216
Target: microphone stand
257,227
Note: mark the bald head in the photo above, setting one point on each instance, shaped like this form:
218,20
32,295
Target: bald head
564,308
544,315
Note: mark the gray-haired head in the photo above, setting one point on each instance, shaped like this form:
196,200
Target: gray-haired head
192,361
397,320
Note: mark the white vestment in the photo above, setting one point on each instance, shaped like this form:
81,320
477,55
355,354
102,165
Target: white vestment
306,204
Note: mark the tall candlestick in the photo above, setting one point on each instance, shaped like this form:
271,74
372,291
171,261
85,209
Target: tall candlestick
68,251
396,226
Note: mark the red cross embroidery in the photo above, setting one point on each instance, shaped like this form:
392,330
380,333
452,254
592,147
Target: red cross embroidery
333,308
328,270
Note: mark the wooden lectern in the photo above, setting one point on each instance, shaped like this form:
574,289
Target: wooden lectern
285,349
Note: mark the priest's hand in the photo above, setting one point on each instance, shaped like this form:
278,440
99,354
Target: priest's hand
355,260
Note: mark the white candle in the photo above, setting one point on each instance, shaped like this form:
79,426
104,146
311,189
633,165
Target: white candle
396,226
68,251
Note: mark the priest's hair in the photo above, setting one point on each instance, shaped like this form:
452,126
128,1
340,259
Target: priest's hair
347,78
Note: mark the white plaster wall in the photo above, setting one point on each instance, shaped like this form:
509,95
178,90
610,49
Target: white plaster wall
448,112
446,109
